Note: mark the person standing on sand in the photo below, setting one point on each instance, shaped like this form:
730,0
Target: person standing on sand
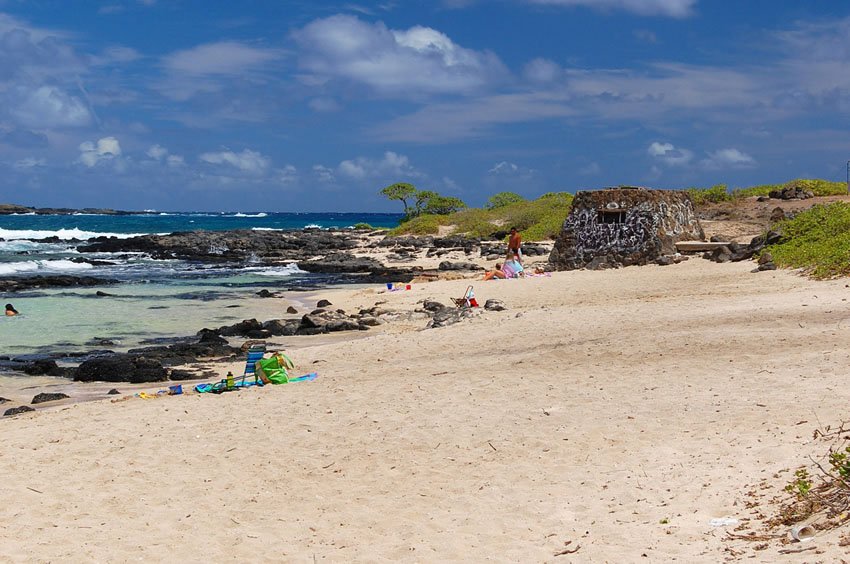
514,244
10,310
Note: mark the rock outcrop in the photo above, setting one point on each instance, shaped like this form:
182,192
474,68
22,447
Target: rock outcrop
624,226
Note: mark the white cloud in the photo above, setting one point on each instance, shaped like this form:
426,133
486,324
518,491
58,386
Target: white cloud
392,165
223,58
161,154
324,174
29,163
728,158
419,60
541,70
669,8
287,174
106,149
47,107
248,162
211,68
669,155
504,167
157,152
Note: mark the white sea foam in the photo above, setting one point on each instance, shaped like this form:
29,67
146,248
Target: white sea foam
313,226
37,265
64,234
287,270
240,214
265,229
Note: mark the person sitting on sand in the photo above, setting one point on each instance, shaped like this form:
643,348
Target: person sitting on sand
512,267
10,310
497,273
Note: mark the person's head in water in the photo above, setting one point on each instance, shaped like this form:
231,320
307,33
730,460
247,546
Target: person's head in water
10,310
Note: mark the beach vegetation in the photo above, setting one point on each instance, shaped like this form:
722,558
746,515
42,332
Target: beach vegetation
442,205
821,491
538,220
816,240
503,199
417,202
715,194
363,226
403,192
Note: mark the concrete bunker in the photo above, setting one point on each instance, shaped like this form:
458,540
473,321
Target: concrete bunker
624,226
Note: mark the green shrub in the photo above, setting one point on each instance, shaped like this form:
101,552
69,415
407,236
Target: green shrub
755,191
715,194
503,199
816,240
363,226
817,186
421,225
538,219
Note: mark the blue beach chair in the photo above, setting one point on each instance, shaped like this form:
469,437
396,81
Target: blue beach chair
255,353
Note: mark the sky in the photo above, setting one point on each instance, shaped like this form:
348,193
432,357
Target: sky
299,105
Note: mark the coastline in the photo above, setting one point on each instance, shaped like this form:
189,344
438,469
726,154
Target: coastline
621,413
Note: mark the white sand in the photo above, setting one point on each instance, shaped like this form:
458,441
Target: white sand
596,406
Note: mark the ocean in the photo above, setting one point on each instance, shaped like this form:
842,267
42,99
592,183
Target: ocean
156,299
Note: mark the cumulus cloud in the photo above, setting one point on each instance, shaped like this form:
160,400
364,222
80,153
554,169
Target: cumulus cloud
669,155
668,8
287,175
418,60
105,149
157,152
391,165
161,154
247,162
47,107
324,174
728,158
541,70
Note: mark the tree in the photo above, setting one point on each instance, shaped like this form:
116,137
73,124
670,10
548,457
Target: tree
417,202
443,205
401,191
503,199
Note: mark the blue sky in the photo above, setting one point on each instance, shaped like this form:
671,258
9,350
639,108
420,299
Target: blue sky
315,106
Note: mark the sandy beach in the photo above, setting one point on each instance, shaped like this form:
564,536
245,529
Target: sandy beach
613,412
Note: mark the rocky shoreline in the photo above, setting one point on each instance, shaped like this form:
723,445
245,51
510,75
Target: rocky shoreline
356,256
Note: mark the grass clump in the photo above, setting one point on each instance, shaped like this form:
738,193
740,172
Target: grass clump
816,186
420,225
715,194
816,240
363,226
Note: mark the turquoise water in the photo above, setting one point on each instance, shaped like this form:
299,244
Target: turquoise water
74,320
155,298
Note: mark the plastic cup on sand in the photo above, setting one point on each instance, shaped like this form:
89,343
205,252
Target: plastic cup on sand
803,533
389,285
407,287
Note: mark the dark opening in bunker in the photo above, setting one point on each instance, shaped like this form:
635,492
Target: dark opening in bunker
614,216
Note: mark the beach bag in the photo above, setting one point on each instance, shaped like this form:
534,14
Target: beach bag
274,370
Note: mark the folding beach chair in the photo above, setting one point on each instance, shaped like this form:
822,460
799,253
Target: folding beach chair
255,353
468,299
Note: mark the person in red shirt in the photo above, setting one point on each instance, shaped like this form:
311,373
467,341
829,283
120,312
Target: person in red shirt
514,244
